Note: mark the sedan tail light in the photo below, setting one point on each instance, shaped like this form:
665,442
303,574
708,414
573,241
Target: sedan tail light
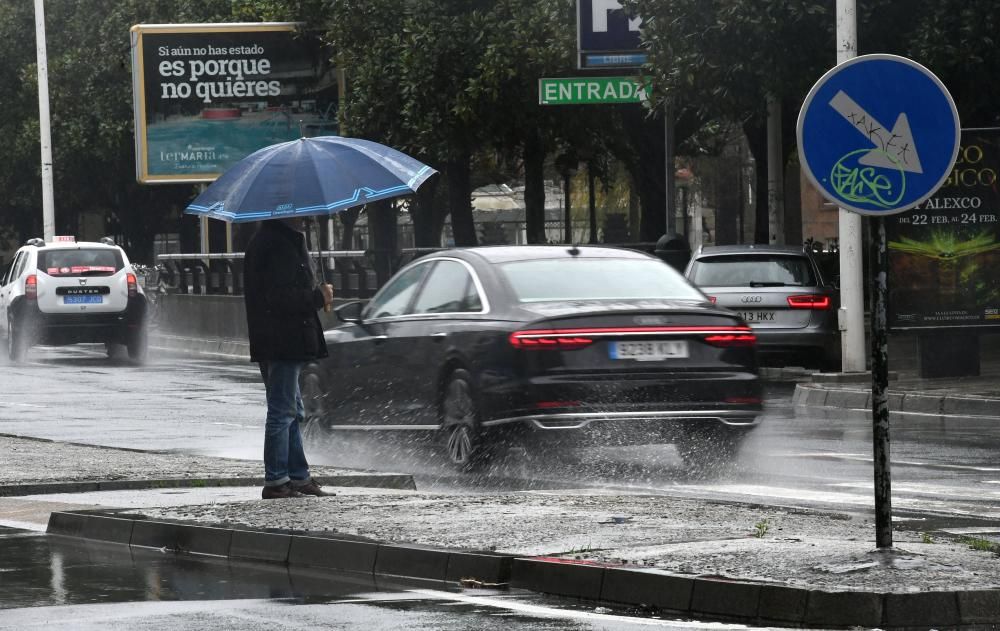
571,339
809,301
133,286
548,340
729,340
31,287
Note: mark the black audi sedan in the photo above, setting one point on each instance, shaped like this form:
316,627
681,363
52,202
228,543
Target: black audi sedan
493,346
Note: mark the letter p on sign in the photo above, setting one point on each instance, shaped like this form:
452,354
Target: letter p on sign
599,15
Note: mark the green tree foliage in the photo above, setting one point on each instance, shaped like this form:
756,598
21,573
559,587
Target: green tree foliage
454,82
408,66
90,86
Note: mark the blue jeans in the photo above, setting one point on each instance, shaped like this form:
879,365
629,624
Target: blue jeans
284,457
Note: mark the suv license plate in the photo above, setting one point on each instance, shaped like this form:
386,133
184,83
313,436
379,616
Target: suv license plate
82,300
757,316
649,351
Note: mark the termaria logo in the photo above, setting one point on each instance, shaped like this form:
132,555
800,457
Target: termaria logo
750,299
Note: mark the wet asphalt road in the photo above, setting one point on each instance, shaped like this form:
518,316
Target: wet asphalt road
940,467
54,583
944,472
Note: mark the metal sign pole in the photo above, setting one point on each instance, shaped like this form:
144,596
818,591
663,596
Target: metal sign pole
880,387
840,142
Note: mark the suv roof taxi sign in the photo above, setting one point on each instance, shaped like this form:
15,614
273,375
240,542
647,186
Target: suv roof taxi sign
63,239
878,134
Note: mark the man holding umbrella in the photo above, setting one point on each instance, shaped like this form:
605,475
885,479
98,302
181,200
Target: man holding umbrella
279,185
282,297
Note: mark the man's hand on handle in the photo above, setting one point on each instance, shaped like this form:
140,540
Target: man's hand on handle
327,290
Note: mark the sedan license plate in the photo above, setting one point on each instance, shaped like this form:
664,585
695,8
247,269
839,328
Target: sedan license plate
82,300
757,316
649,351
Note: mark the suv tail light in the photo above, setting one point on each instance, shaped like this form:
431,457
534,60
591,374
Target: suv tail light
548,340
809,301
133,286
31,287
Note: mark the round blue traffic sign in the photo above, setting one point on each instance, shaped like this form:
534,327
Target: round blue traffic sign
878,134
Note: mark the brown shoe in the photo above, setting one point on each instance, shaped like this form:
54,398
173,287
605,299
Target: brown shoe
279,492
311,488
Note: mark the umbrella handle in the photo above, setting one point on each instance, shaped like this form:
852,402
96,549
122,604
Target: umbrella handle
327,308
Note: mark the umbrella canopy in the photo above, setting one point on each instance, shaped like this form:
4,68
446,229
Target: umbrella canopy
309,176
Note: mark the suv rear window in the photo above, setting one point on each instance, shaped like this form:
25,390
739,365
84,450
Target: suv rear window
753,270
596,279
80,261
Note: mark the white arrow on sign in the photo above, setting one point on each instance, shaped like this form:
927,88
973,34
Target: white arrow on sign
893,149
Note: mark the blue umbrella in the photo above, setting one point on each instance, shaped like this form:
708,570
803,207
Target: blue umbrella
309,176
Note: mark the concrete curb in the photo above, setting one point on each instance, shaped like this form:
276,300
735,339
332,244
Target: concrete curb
378,481
716,598
224,348
854,398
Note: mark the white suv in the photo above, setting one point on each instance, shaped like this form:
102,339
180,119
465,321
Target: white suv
65,292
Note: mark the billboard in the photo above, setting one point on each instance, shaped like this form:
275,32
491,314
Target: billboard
944,255
207,95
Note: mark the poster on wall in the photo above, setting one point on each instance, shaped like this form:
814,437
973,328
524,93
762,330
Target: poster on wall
207,95
944,255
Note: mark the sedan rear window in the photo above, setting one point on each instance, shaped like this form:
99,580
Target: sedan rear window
80,261
753,271
596,279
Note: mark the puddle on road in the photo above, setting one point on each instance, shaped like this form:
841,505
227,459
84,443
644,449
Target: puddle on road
40,570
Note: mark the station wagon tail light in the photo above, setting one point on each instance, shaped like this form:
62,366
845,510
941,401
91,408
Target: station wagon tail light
553,340
133,286
31,287
729,340
809,301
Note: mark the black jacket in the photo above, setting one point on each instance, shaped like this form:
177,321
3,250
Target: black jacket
281,296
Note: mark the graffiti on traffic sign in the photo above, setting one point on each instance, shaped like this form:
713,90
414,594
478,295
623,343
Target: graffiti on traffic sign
878,169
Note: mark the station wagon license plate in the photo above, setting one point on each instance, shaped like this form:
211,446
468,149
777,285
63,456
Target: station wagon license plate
757,316
82,300
649,351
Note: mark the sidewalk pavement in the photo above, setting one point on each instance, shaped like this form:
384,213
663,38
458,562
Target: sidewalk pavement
909,393
665,555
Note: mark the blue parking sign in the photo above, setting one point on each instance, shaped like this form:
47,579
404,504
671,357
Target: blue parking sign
878,134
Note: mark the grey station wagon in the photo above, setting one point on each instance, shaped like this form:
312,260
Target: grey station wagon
781,293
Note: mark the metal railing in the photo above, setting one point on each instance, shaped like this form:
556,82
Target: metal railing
354,274
351,272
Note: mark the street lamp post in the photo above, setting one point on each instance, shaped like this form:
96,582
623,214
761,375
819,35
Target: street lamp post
48,205
851,314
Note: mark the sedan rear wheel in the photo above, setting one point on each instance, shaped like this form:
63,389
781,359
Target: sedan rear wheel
465,448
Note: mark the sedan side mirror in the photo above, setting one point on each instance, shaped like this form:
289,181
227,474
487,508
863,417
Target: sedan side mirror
350,312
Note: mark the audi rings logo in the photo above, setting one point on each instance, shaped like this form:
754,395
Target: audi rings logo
750,299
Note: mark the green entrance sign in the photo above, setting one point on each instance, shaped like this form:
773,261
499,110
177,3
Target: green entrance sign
592,90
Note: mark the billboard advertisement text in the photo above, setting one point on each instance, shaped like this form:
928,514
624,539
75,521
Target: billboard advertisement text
208,95
944,255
